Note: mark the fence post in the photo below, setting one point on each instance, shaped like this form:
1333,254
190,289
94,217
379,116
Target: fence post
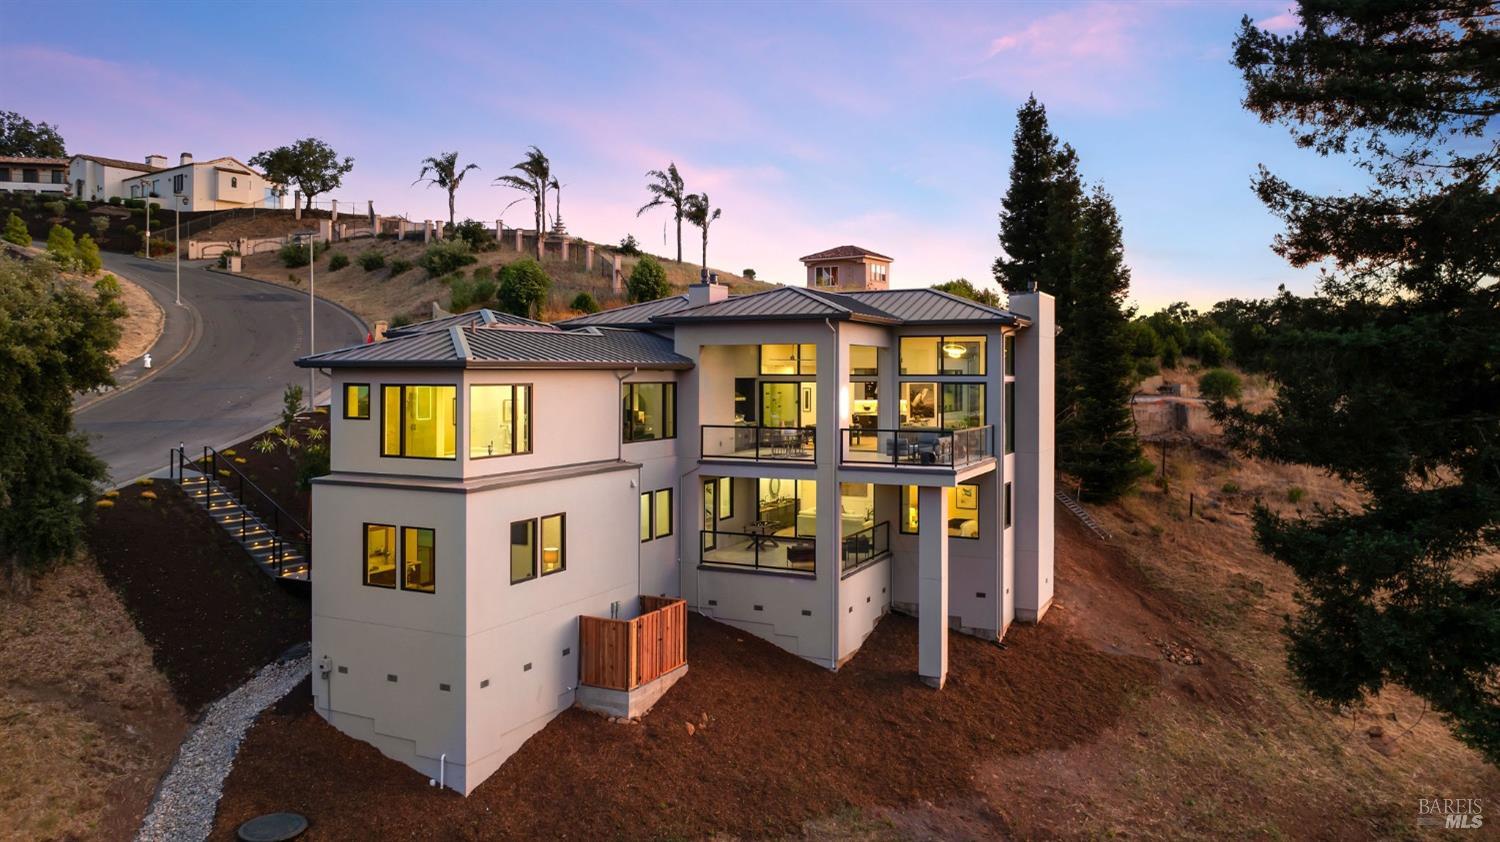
400,228
426,230
335,214
297,204
615,277
520,246
565,249
499,233
588,257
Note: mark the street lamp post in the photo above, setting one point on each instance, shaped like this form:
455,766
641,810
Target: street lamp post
312,322
176,245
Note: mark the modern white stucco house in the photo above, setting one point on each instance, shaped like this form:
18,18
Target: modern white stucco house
795,463
217,184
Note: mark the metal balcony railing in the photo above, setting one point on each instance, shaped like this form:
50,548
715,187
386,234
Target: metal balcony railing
928,448
730,441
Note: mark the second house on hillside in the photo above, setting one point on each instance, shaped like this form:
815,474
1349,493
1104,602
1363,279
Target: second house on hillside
215,184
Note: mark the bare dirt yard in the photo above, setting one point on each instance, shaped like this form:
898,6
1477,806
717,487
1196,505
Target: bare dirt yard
1153,701
87,724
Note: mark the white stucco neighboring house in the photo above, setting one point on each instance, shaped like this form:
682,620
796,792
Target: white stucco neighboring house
217,184
34,175
796,463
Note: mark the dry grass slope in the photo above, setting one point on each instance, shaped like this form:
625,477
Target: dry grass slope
88,724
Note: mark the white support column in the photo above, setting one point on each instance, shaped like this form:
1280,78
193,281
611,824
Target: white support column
932,585
617,278
588,257
400,228
334,216
520,241
1033,484
426,230
564,249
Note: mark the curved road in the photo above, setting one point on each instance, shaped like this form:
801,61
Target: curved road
228,353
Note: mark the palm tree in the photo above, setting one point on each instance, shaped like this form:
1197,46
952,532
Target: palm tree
696,210
667,189
534,179
445,173
557,223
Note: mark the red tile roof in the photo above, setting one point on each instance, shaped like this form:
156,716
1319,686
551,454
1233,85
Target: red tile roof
843,252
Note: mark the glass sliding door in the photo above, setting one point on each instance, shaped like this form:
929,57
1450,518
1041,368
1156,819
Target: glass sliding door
779,405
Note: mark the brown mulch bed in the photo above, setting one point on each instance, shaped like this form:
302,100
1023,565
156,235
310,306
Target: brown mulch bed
275,473
212,619
776,742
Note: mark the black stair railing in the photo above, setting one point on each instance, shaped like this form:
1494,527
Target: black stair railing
285,531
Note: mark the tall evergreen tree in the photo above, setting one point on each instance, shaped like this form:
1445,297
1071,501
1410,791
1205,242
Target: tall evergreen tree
1388,378
1098,437
1023,214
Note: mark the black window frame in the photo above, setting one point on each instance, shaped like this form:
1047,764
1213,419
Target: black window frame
1010,417
530,414
536,548
760,359
401,408
650,519
626,427
562,544
1010,507
941,340
401,568
368,397
177,183
1008,345
656,533
364,555
720,484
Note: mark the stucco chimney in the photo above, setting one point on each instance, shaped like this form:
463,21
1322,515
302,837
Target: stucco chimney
707,291
156,160
185,159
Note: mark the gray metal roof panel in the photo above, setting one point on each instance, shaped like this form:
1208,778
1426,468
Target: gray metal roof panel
631,315
781,303
509,346
481,316
931,306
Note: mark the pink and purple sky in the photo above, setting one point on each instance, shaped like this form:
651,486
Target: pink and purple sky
885,125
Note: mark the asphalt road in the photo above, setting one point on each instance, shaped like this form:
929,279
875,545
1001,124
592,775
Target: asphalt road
223,360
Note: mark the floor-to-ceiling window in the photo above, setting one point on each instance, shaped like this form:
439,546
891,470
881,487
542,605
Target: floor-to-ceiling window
419,421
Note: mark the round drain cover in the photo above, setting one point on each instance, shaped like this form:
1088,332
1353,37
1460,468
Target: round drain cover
273,827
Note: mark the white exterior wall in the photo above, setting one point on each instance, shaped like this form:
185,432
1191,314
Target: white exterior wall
1035,415
205,187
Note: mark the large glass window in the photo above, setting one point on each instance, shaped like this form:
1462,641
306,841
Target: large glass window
962,355
522,551
949,355
1010,417
499,420
380,555
357,400
419,559
864,361
726,498
856,507
949,406
554,543
909,509
650,411
787,359
645,517
790,506
963,405
419,421
963,511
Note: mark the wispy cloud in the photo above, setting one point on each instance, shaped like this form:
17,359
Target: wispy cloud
1287,21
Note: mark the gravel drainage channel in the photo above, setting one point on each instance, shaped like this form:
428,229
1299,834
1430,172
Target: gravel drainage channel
188,796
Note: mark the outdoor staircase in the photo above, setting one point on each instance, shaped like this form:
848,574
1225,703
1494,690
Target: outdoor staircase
1083,515
282,555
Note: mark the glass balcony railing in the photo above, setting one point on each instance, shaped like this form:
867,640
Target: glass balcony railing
867,545
728,441
759,551
919,448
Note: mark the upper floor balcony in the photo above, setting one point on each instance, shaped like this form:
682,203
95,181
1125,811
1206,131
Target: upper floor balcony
740,441
924,448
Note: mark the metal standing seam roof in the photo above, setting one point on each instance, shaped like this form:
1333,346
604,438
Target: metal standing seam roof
631,315
893,307
469,319
508,346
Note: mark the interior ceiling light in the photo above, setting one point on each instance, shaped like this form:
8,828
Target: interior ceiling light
955,350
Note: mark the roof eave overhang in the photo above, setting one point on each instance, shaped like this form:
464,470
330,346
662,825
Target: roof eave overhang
494,364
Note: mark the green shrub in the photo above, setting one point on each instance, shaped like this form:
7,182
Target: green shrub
446,257
484,285
1230,487
337,262
294,255
748,274
1295,494
88,255
101,224
312,462
523,288
1146,367
78,205
116,201
400,320
584,303
224,257
158,247
15,230
61,246
132,230
370,260
629,246
1212,350
460,293
648,281
291,404
134,203
400,267
57,208
474,233
1171,353
1219,385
